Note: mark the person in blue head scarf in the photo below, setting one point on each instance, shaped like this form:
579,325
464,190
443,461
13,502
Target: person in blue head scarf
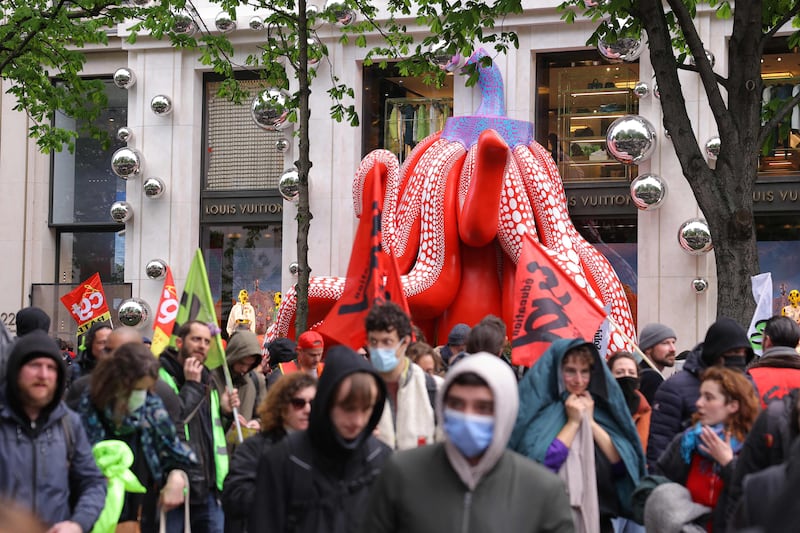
574,420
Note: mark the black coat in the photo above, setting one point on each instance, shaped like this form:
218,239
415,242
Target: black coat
314,481
673,405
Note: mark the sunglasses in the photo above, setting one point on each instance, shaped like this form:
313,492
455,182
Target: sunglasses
299,403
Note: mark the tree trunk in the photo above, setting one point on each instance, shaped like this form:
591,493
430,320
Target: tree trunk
303,167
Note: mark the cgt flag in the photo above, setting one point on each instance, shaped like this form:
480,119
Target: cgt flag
372,276
166,315
549,306
87,304
198,304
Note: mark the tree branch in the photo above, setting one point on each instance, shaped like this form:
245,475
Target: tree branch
792,13
775,120
692,68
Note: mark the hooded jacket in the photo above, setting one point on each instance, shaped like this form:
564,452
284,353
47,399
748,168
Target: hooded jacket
435,489
315,480
542,414
35,466
775,373
251,385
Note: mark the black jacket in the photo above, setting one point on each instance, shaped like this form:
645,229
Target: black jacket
314,481
195,410
673,405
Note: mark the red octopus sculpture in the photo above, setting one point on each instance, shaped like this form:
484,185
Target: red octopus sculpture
454,215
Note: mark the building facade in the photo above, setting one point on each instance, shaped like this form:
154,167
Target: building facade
220,173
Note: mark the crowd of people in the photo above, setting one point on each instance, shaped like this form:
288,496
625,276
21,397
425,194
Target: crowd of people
400,436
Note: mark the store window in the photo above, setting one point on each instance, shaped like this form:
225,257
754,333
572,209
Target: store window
579,96
399,111
82,189
779,253
780,72
241,210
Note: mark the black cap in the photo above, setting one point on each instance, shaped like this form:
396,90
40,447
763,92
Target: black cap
30,319
725,334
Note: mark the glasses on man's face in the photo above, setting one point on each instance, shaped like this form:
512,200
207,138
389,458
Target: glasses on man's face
299,403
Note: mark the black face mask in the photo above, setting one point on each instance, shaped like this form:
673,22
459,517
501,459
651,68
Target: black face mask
735,362
629,386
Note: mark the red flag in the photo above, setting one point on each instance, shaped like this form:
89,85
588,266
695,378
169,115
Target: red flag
372,276
87,303
549,305
165,315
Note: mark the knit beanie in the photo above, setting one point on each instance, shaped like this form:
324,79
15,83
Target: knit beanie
281,350
30,319
652,334
723,335
34,345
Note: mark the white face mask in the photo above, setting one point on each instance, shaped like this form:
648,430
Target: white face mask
136,399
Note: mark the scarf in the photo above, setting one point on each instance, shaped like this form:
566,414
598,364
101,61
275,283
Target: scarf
690,442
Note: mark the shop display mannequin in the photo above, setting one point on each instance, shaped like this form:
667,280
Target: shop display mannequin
793,309
243,315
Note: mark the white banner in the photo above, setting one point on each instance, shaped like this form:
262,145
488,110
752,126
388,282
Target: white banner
762,293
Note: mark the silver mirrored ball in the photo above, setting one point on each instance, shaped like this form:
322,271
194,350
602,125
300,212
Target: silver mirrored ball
344,15
282,145
624,49
631,139
161,105
256,23
709,56
184,24
699,285
641,89
153,188
694,237
269,110
126,162
294,268
713,146
224,22
121,212
289,185
125,134
648,191
133,312
124,78
156,269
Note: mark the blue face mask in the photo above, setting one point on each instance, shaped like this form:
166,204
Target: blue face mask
471,434
384,359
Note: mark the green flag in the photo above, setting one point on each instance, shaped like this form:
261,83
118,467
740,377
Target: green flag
198,304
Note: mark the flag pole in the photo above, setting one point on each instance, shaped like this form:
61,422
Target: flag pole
635,346
229,388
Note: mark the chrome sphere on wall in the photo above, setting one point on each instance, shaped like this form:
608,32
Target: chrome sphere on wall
648,191
624,49
126,162
344,15
709,56
153,188
713,146
124,78
133,312
641,89
156,269
289,185
121,212
631,139
224,22
294,268
184,24
699,285
282,145
694,237
161,105
256,23
125,134
269,110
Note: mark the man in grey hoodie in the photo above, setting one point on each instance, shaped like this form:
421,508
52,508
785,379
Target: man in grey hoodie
470,482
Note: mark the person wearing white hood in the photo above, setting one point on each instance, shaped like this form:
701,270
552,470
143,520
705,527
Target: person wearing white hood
470,482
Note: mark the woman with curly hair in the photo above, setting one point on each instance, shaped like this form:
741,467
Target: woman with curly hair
703,457
120,405
285,409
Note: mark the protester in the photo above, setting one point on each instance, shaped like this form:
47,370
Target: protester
657,341
121,406
702,457
46,462
626,372
573,419
200,422
280,350
243,354
777,371
426,358
285,409
94,347
310,347
456,342
318,480
488,335
470,482
31,319
408,419
726,343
